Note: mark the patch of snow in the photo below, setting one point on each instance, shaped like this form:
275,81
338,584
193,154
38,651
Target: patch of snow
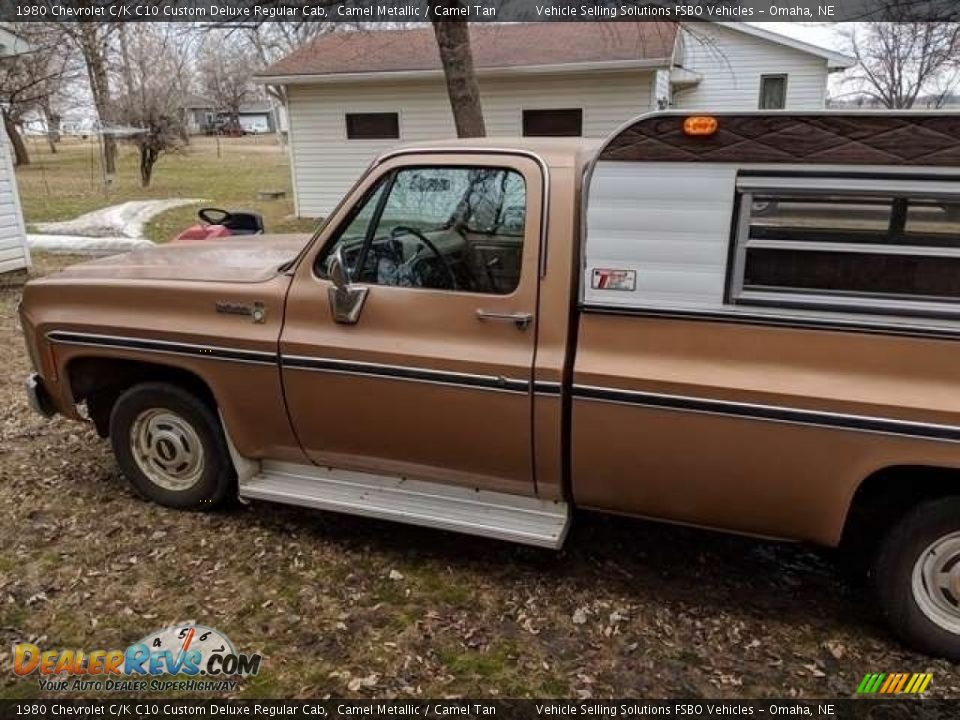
81,245
123,220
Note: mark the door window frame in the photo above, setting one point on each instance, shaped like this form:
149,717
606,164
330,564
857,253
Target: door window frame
385,167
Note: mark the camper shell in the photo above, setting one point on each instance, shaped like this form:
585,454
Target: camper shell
739,321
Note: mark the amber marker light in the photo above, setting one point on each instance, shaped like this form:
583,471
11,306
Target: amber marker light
700,125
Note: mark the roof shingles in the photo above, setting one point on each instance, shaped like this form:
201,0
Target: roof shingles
494,46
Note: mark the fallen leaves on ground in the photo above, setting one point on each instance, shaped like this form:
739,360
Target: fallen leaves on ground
343,606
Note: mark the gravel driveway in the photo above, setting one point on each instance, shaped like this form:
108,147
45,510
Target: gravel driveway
349,607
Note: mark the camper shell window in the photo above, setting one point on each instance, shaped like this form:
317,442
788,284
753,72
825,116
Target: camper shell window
870,246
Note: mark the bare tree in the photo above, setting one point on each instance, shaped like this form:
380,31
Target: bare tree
154,84
29,81
51,119
95,41
900,62
274,40
453,42
226,69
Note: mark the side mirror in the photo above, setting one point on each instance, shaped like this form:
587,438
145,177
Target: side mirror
346,300
337,269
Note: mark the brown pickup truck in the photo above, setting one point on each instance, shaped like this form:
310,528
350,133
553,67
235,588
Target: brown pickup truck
747,322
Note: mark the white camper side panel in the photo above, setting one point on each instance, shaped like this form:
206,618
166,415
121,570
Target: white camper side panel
13,242
667,222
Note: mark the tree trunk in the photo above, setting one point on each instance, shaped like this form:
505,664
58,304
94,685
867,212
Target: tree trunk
93,55
184,130
52,120
20,155
453,42
148,157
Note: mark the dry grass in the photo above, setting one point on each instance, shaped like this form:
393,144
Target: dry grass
628,609
66,184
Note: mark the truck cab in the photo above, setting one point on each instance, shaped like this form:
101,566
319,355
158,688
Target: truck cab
744,322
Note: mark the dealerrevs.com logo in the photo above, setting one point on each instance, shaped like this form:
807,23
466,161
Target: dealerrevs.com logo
189,656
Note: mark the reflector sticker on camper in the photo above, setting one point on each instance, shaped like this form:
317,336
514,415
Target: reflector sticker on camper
604,279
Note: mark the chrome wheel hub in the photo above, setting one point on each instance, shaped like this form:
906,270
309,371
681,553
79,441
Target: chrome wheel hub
167,449
936,582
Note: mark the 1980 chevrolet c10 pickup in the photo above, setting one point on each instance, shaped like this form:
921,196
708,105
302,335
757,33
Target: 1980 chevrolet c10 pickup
747,322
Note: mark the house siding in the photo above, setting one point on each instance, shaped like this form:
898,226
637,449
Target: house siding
326,164
13,245
731,63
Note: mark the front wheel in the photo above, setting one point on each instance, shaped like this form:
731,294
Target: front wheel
170,446
917,577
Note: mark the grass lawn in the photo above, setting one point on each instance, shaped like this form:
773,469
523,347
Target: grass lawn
66,184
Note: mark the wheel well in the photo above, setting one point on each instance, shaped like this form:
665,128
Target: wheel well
100,381
888,494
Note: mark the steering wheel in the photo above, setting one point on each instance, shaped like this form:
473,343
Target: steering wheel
213,216
404,230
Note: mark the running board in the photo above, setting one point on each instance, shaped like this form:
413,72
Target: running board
515,518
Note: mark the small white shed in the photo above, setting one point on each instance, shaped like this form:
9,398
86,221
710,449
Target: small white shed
14,253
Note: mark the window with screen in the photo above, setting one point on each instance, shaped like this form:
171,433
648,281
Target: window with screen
553,123
852,251
373,126
773,92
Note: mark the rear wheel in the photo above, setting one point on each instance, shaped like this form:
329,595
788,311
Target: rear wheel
917,577
170,446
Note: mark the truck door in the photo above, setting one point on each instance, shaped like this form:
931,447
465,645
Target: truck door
432,379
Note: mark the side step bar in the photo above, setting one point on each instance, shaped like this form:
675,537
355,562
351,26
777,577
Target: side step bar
514,518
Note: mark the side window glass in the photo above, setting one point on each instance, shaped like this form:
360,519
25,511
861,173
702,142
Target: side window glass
846,252
351,238
441,228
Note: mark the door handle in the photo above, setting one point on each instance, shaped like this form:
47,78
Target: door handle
521,319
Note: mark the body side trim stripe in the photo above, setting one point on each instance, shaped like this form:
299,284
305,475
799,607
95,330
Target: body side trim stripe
403,372
785,321
547,387
771,413
162,346
293,362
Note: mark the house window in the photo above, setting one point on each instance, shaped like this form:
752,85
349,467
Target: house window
373,126
553,123
853,251
773,92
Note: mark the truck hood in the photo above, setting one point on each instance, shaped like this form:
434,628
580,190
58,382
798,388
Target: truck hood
239,259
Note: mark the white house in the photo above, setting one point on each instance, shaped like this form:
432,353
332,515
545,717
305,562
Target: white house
13,240
353,94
